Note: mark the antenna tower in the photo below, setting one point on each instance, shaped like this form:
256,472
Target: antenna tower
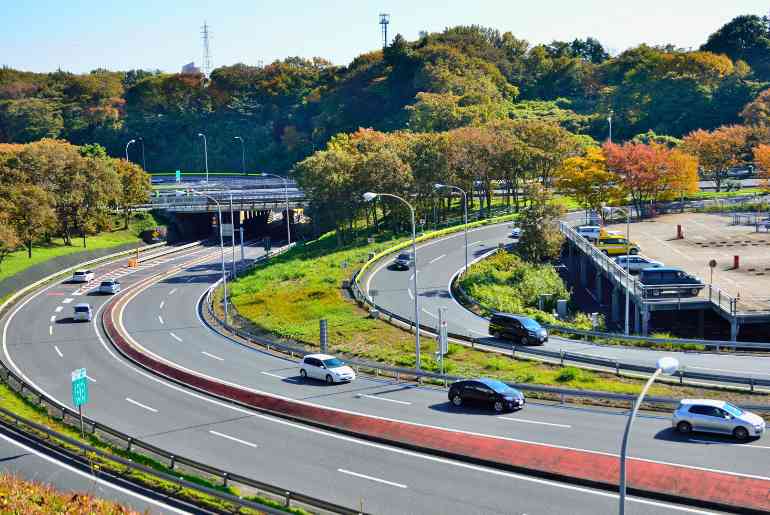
206,36
384,21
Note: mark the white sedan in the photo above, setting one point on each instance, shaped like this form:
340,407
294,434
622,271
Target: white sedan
516,232
326,368
83,276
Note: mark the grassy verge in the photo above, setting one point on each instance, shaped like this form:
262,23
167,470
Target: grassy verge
19,405
706,195
286,298
18,261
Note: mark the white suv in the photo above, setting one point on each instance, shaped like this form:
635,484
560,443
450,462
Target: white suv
110,286
82,276
326,368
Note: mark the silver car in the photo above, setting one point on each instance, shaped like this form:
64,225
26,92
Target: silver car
712,416
82,313
110,286
637,263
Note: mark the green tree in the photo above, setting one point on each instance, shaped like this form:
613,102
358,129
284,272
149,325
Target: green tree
29,119
540,239
29,212
135,186
746,38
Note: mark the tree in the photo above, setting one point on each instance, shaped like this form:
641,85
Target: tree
746,38
29,119
681,177
641,168
762,159
587,180
718,150
29,211
757,112
540,238
135,186
9,240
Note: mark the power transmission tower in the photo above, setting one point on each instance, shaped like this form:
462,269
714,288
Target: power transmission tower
384,21
206,36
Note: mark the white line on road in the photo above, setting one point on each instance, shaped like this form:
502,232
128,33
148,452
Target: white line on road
50,329
58,309
172,291
729,443
212,356
385,399
429,313
53,318
436,259
56,348
411,296
67,300
370,478
273,375
162,303
175,337
160,319
234,439
524,420
132,401
734,371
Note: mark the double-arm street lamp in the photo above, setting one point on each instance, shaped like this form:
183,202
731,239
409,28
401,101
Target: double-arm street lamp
205,154
243,155
286,196
666,365
369,196
438,186
130,142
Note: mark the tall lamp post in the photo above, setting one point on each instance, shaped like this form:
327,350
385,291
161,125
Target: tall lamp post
243,155
666,365
144,161
128,145
205,154
286,196
369,196
221,244
438,186
609,120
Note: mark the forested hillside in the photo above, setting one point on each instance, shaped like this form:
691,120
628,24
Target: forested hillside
464,76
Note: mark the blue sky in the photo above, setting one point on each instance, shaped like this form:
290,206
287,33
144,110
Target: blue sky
42,35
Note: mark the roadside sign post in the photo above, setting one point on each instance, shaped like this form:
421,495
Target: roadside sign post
443,343
178,175
80,393
324,336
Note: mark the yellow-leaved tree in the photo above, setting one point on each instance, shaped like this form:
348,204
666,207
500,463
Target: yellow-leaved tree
762,159
587,180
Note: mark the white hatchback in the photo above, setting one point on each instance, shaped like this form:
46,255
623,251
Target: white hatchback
111,286
326,368
82,276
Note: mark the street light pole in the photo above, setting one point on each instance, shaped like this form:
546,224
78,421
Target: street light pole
665,365
127,145
286,196
221,245
144,162
205,154
369,196
609,119
465,215
243,155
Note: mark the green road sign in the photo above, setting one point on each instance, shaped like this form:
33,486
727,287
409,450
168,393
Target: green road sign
178,176
79,387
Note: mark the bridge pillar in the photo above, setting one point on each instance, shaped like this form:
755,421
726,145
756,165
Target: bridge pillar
645,316
615,310
599,291
701,323
583,276
735,326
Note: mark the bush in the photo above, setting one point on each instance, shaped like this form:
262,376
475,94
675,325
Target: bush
570,374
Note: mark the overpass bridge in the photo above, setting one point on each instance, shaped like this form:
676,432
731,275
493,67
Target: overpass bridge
608,282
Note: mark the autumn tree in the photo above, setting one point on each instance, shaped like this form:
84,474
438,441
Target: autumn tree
540,238
587,180
757,112
641,169
9,240
135,186
28,210
762,158
718,150
681,175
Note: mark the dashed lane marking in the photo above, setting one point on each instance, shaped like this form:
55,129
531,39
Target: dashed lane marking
67,300
385,399
162,303
273,375
212,356
371,478
56,348
144,406
160,319
525,421
234,439
58,309
175,337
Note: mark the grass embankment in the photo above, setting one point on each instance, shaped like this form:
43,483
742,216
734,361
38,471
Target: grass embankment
19,405
18,261
286,298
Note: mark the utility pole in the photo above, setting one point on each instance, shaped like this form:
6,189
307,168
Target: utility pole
384,21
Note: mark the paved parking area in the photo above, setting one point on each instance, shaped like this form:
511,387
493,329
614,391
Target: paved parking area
706,237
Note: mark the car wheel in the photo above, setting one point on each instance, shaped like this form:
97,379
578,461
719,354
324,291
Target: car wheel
524,340
329,379
303,373
695,291
457,400
741,433
684,427
633,252
498,406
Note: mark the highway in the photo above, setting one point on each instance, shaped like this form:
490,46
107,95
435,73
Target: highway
336,467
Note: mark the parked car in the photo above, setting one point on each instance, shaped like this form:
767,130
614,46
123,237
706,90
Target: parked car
517,328
589,232
110,286
326,368
617,245
637,263
82,276
403,261
516,232
712,416
487,393
668,281
82,312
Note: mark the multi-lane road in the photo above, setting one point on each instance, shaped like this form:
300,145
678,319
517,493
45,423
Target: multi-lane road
43,345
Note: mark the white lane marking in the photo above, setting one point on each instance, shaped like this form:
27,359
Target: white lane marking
50,330
162,303
175,337
53,318
132,401
734,371
191,279
524,420
172,291
429,313
56,348
731,444
370,478
234,439
92,478
436,259
58,309
212,356
273,375
160,319
67,300
411,296
385,399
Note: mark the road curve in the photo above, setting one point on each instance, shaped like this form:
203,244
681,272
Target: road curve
339,468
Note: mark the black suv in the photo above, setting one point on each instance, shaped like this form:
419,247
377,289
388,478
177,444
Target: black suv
517,328
489,393
669,281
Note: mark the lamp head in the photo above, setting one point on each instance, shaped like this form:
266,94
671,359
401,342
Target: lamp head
132,141
438,186
668,365
200,134
369,196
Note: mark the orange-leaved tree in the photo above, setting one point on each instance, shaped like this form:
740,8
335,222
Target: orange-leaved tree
587,180
717,150
762,159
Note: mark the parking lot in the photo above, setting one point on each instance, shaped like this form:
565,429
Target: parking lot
707,237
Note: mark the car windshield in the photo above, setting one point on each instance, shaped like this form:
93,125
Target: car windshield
530,324
405,256
333,363
732,410
498,386
107,283
81,309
